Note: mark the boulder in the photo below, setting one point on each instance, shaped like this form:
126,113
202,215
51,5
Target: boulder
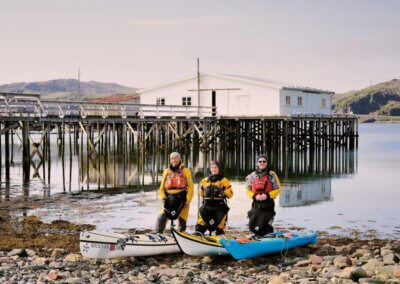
342,261
315,259
18,252
73,257
358,273
396,271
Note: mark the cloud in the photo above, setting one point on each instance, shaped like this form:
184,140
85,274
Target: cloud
207,20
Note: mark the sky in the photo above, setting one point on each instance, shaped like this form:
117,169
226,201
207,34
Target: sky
337,45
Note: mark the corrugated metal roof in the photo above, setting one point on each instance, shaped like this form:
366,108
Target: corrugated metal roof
114,99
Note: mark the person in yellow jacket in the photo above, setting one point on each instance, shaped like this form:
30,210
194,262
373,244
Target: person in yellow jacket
214,190
176,192
263,186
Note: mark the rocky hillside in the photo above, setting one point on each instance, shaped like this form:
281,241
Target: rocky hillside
66,89
380,99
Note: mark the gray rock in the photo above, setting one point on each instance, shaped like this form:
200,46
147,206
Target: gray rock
358,273
55,264
342,261
370,281
30,252
302,263
16,252
390,258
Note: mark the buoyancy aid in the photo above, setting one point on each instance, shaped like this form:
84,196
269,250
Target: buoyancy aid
214,192
262,185
175,180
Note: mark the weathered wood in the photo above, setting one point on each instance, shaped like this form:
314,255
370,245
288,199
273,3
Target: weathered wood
26,157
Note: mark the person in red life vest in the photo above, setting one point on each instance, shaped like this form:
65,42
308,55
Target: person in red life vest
263,187
176,192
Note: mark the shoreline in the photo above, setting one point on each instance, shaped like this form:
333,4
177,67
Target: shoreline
42,253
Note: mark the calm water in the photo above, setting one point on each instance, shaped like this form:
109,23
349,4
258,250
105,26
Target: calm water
349,189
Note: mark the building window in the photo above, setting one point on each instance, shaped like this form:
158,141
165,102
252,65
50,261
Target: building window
300,101
160,101
323,103
288,100
186,101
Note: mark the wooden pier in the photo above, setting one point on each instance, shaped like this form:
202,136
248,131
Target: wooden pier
96,131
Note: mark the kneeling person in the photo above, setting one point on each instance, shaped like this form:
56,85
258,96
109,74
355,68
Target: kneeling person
176,191
263,187
214,190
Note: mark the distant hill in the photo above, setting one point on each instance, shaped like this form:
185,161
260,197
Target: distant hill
380,99
66,89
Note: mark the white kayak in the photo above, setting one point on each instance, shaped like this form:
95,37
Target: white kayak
96,244
200,245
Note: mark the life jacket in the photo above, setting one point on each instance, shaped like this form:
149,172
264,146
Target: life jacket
213,192
262,185
175,180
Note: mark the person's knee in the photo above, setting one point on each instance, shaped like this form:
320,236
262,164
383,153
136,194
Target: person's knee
200,228
182,224
161,223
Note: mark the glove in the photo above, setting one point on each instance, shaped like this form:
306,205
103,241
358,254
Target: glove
263,197
258,197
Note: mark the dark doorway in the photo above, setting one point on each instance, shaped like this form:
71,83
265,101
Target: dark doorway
214,103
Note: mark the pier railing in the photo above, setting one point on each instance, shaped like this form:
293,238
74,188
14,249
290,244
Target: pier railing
12,105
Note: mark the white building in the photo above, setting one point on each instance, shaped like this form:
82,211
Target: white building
240,96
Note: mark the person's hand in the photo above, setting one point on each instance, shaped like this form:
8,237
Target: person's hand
263,196
258,197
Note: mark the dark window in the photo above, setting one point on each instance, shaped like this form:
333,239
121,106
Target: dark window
160,101
288,100
186,101
299,101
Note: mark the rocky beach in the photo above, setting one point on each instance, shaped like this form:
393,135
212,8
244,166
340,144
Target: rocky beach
35,252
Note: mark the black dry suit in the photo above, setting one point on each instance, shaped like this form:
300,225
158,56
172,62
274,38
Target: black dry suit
214,207
262,212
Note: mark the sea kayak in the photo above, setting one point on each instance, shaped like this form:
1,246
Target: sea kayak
200,245
96,244
273,243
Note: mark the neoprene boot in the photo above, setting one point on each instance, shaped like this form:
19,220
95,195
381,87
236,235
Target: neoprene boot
200,228
182,224
161,223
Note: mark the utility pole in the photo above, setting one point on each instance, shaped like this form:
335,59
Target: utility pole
198,86
79,85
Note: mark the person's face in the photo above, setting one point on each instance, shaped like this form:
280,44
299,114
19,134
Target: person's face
174,161
214,169
262,163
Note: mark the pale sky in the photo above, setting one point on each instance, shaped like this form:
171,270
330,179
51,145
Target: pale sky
337,45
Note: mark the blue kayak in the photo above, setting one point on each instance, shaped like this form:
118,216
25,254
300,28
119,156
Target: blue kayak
273,243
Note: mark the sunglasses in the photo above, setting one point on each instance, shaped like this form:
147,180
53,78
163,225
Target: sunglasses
262,161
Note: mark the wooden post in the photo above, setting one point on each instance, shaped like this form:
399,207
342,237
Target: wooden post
124,153
7,151
105,154
114,157
98,156
70,155
26,154
63,153
48,152
12,147
1,157
87,154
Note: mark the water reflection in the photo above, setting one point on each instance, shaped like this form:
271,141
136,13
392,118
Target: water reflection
306,175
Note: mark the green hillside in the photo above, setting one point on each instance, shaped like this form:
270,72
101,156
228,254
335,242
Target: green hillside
380,99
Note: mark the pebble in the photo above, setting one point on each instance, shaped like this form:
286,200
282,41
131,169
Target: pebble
367,264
